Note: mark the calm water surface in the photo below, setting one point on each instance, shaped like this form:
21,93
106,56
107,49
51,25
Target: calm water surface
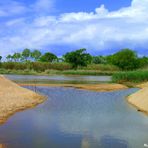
72,118
59,79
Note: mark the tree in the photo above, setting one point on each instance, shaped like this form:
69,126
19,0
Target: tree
36,54
0,58
26,54
48,57
9,57
16,57
99,60
78,58
143,61
126,59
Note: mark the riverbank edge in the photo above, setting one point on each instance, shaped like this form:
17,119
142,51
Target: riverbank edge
23,108
133,99
33,100
103,87
59,72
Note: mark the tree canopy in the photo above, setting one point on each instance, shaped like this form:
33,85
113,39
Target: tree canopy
48,57
0,58
26,54
36,54
126,59
78,58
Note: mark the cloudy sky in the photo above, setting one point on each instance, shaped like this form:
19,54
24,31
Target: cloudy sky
58,26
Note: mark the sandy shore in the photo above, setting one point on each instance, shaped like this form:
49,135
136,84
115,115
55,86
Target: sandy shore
14,98
91,87
140,98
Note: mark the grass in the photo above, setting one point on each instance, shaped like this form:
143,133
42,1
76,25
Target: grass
87,72
58,72
131,76
101,67
38,68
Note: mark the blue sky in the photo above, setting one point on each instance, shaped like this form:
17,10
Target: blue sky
59,26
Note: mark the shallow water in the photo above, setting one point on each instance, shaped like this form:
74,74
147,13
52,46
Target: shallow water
72,118
73,79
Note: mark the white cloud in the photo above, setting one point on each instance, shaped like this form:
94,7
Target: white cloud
43,5
99,30
14,7
11,7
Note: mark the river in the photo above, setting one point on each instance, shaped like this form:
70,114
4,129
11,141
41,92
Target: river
73,118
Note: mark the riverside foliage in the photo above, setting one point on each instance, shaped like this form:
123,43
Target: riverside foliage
130,76
126,60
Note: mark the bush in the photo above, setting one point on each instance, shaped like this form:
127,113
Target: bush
125,59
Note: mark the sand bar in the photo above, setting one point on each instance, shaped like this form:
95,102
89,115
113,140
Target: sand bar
92,87
140,98
14,98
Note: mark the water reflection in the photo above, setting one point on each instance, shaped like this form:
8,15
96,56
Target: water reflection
111,142
74,118
53,79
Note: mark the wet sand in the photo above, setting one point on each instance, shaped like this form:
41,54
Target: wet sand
91,87
140,98
14,98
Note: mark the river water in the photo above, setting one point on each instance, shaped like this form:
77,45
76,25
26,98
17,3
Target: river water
73,118
51,79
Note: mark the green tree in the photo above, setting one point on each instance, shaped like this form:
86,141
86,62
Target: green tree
26,54
9,57
126,59
0,58
16,57
36,54
99,60
143,61
48,57
78,58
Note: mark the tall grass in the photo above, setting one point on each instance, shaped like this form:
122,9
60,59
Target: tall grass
43,68
36,66
101,67
131,76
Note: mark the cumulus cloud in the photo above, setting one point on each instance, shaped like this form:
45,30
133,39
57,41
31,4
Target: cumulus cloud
100,30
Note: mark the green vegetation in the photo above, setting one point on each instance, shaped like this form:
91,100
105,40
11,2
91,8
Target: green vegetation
78,58
125,65
125,59
130,76
48,57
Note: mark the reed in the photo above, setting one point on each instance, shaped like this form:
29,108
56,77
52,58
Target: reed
130,76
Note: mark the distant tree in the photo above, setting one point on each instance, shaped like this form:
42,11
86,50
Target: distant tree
16,57
0,58
143,61
78,58
36,54
126,59
99,60
9,57
48,57
26,54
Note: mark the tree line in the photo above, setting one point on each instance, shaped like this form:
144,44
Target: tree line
125,59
